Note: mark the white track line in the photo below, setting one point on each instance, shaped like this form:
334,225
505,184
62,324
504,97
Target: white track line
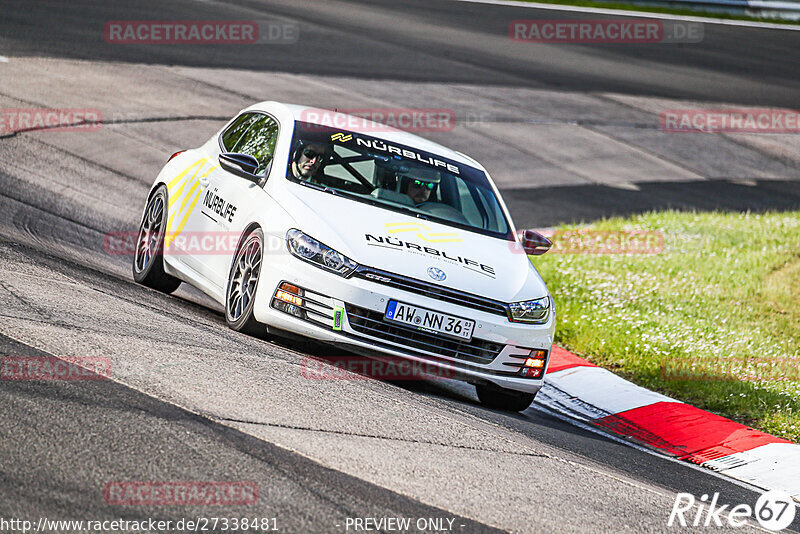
640,14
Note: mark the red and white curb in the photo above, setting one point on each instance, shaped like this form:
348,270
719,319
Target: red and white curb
581,390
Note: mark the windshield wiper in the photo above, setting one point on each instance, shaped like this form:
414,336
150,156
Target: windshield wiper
320,187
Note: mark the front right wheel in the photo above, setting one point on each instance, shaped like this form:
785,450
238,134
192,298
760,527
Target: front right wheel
242,285
503,399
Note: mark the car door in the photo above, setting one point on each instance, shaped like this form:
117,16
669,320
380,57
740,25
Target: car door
185,241
229,198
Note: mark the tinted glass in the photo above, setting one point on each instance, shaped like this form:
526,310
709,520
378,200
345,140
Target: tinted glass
235,131
259,141
397,177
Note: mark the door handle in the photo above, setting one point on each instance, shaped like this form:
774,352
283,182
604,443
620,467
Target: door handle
203,182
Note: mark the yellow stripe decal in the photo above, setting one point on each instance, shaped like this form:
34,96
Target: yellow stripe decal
174,196
186,200
185,171
172,235
432,237
183,205
209,171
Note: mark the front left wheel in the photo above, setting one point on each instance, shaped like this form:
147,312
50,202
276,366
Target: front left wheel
148,260
242,285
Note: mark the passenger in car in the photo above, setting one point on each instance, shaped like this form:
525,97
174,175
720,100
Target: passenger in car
419,184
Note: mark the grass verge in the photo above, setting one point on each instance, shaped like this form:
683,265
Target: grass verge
713,319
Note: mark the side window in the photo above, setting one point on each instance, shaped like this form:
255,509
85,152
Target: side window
235,130
259,141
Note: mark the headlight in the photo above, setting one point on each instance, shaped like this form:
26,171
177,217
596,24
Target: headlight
531,311
309,249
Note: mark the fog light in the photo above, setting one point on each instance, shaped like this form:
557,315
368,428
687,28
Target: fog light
534,364
288,297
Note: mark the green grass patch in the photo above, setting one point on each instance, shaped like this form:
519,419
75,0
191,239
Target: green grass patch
683,11
713,319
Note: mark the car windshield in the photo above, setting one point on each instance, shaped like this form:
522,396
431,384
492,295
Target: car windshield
396,177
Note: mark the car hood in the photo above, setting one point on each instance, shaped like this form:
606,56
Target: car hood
426,250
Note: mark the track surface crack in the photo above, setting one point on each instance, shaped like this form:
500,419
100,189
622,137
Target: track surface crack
377,436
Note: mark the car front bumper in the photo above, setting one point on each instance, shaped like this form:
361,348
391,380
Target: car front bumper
494,355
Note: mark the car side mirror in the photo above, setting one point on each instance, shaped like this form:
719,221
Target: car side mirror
243,165
534,243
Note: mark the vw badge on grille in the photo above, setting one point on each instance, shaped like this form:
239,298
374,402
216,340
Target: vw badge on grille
436,273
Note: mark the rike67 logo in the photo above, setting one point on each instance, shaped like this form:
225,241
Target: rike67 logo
774,510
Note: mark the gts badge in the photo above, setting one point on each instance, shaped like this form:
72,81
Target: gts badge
219,205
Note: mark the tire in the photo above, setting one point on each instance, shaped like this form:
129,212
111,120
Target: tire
148,259
504,399
243,283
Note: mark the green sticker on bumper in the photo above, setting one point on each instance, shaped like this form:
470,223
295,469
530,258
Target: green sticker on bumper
338,314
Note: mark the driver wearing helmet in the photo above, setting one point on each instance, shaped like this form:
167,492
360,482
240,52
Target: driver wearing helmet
418,184
308,159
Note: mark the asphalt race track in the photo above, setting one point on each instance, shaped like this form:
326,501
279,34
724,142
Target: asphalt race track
569,133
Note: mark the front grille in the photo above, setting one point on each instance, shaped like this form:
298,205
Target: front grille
413,285
371,323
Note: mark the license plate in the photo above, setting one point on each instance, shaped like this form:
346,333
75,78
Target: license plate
429,320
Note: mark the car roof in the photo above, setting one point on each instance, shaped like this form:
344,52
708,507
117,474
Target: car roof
365,126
